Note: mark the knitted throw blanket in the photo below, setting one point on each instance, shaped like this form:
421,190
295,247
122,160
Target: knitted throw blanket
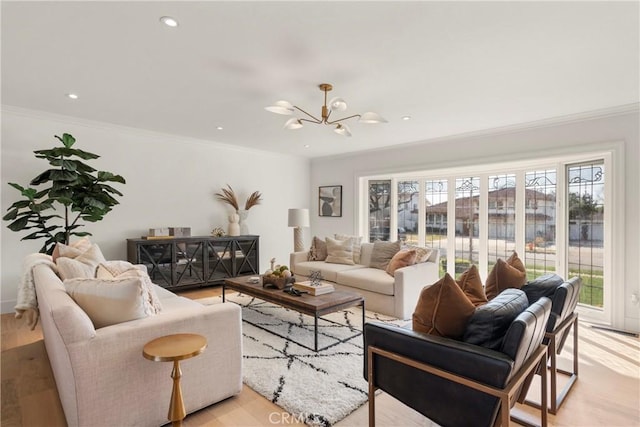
27,303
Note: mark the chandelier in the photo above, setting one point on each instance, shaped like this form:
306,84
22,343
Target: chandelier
336,104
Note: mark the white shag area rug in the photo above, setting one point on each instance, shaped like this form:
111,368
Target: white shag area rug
319,388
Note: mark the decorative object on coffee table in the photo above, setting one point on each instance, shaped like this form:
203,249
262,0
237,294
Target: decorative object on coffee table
315,277
174,348
298,218
217,232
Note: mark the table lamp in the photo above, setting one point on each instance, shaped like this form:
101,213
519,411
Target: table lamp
298,218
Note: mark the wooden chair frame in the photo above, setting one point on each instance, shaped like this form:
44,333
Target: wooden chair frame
505,395
557,399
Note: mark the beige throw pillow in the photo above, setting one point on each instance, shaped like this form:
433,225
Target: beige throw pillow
382,253
83,265
108,302
339,251
318,251
72,250
400,260
111,270
422,254
357,245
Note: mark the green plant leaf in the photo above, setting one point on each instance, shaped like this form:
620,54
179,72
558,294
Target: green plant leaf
17,186
11,215
18,224
68,140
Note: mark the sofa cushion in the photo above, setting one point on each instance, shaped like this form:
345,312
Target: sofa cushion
369,279
318,251
382,253
108,302
339,251
82,266
357,245
505,274
366,249
489,323
327,270
471,285
443,309
404,258
543,286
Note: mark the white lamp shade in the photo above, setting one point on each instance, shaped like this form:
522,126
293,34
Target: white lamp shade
371,117
281,107
338,104
342,130
298,217
293,123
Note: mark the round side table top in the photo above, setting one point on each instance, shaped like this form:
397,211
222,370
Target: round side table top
174,347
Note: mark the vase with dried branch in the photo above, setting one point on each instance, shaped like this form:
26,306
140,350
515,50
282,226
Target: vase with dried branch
228,196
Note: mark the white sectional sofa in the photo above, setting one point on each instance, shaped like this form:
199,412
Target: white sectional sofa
394,296
101,375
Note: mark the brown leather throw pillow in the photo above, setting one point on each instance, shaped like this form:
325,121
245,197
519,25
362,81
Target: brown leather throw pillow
471,284
505,274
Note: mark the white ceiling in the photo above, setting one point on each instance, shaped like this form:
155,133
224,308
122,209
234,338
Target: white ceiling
454,67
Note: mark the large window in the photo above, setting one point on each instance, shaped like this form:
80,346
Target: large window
495,213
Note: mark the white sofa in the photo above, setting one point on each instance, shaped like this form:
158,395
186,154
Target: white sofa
394,296
101,375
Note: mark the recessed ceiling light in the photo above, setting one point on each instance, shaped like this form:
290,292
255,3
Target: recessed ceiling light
72,96
306,146
405,118
219,128
169,21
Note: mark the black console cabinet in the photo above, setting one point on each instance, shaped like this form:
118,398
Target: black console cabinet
195,261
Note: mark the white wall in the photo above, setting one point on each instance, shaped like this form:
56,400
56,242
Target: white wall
170,183
535,141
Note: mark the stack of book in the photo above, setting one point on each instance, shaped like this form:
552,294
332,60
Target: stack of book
321,289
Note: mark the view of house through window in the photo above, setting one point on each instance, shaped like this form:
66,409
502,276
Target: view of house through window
496,214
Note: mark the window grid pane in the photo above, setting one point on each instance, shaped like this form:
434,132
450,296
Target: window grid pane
502,217
379,209
436,219
408,193
467,209
586,229
540,222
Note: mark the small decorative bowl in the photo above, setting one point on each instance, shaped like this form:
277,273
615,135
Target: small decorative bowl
276,281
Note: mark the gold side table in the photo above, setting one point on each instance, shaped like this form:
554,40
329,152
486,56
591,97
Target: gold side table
174,348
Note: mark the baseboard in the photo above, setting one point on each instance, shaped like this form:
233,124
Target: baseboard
7,306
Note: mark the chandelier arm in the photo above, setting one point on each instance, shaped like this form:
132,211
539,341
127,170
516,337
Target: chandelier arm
343,119
315,120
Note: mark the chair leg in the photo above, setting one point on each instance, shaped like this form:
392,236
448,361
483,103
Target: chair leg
372,390
558,399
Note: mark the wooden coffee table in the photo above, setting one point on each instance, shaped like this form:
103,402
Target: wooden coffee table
310,305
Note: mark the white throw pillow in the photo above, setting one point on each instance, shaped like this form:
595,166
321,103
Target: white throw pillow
112,270
357,245
339,251
72,250
83,265
108,302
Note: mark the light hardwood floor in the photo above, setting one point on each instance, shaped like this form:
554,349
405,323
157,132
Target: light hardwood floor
607,392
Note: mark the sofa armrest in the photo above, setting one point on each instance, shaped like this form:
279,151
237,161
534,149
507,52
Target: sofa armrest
409,282
112,364
443,401
297,257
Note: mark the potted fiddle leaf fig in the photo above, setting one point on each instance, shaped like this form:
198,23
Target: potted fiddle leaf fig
84,194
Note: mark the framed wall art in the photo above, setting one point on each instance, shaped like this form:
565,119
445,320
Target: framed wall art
330,200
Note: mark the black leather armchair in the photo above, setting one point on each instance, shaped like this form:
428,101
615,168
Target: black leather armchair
455,383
